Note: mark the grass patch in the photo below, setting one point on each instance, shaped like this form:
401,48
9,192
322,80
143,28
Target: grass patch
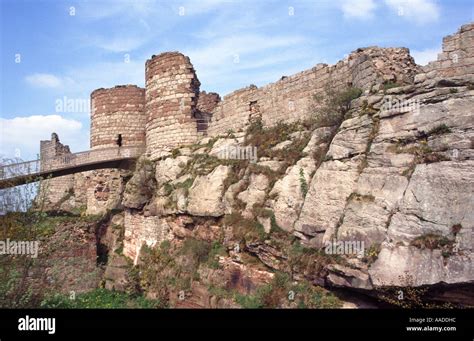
439,130
303,183
434,241
281,291
248,230
390,85
99,299
361,197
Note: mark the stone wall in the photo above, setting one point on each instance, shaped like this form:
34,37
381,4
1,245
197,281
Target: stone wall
118,111
457,58
291,98
207,102
53,191
103,189
172,90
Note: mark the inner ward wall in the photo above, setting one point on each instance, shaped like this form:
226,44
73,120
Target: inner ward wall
292,98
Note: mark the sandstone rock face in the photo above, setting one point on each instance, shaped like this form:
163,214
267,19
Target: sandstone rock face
351,138
140,230
254,194
169,168
324,205
290,194
405,265
140,187
341,276
438,197
205,195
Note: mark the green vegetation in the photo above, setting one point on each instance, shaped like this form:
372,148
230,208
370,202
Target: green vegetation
173,267
267,138
274,227
217,249
248,230
390,85
439,130
331,108
456,228
423,153
99,298
434,241
372,253
303,183
308,260
431,241
281,291
20,286
408,295
197,249
361,197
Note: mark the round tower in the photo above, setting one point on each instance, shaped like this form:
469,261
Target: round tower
172,91
118,117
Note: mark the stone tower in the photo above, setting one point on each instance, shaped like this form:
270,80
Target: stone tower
118,116
172,91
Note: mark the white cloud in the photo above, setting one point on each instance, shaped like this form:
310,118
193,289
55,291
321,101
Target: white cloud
358,9
43,80
23,134
423,57
418,11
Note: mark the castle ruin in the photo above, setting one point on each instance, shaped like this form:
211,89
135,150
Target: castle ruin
172,111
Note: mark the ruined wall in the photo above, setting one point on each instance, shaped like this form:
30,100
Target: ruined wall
207,102
457,58
53,191
118,110
291,98
172,89
103,190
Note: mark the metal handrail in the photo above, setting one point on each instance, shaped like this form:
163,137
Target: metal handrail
69,160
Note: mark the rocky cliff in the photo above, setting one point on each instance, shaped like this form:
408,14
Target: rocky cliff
392,171
371,192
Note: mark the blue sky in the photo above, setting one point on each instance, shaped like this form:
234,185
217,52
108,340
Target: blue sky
52,49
